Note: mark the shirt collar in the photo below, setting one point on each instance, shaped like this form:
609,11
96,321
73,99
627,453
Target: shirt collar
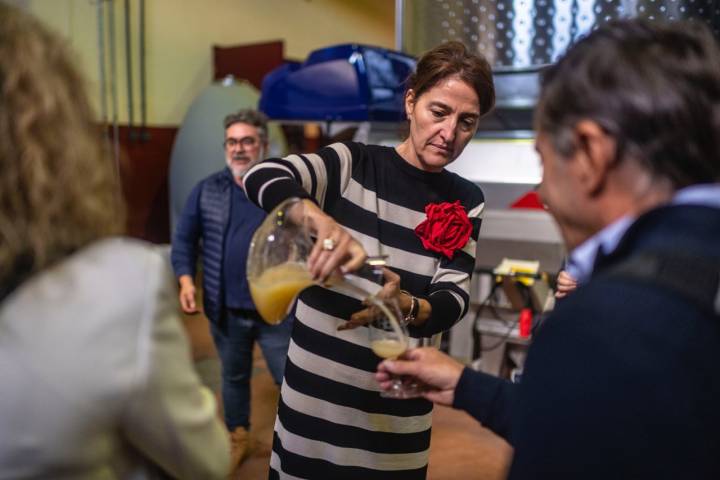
706,194
582,259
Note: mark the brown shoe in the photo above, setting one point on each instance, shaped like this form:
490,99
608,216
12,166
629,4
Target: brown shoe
239,447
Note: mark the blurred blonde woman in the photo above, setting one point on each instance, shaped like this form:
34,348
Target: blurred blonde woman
94,366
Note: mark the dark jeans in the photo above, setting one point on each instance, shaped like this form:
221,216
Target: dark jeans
234,341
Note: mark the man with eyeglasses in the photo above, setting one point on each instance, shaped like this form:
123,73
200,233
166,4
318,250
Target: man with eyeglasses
218,221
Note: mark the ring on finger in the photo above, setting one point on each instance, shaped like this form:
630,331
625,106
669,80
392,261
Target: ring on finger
328,244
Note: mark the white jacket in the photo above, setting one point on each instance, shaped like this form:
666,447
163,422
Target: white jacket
96,380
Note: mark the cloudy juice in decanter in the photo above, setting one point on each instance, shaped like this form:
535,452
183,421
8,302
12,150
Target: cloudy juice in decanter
275,288
277,260
277,266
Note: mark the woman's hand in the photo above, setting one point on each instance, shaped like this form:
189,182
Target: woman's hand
335,249
565,284
390,291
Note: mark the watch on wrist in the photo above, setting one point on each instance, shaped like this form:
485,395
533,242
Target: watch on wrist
414,308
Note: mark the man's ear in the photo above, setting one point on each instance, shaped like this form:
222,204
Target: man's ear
595,155
409,102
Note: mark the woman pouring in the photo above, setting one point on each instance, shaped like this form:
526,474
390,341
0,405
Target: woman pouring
365,200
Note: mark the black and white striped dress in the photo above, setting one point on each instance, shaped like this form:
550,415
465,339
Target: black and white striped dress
332,422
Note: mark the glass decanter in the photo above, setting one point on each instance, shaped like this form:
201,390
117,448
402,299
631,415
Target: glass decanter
277,260
277,266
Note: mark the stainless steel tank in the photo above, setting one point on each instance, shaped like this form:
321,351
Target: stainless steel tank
522,34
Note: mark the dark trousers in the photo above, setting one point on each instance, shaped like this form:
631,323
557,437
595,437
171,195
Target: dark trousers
234,340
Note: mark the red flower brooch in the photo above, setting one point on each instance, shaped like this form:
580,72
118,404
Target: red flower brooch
446,229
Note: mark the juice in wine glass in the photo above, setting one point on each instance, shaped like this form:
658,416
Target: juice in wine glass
274,290
388,348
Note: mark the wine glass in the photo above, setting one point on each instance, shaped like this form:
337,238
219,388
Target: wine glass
389,339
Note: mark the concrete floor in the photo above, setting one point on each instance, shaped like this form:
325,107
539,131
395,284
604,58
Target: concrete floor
460,448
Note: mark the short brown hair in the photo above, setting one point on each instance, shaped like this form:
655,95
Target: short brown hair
453,58
252,117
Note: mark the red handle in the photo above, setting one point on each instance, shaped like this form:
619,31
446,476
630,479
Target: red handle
525,322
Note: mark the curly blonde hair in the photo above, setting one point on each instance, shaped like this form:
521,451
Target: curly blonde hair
58,189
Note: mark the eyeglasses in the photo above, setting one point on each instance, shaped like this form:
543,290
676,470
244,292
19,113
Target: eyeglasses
246,142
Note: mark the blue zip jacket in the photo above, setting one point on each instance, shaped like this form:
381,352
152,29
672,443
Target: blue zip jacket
205,217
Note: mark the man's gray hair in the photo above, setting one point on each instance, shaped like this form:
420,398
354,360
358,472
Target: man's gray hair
252,117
